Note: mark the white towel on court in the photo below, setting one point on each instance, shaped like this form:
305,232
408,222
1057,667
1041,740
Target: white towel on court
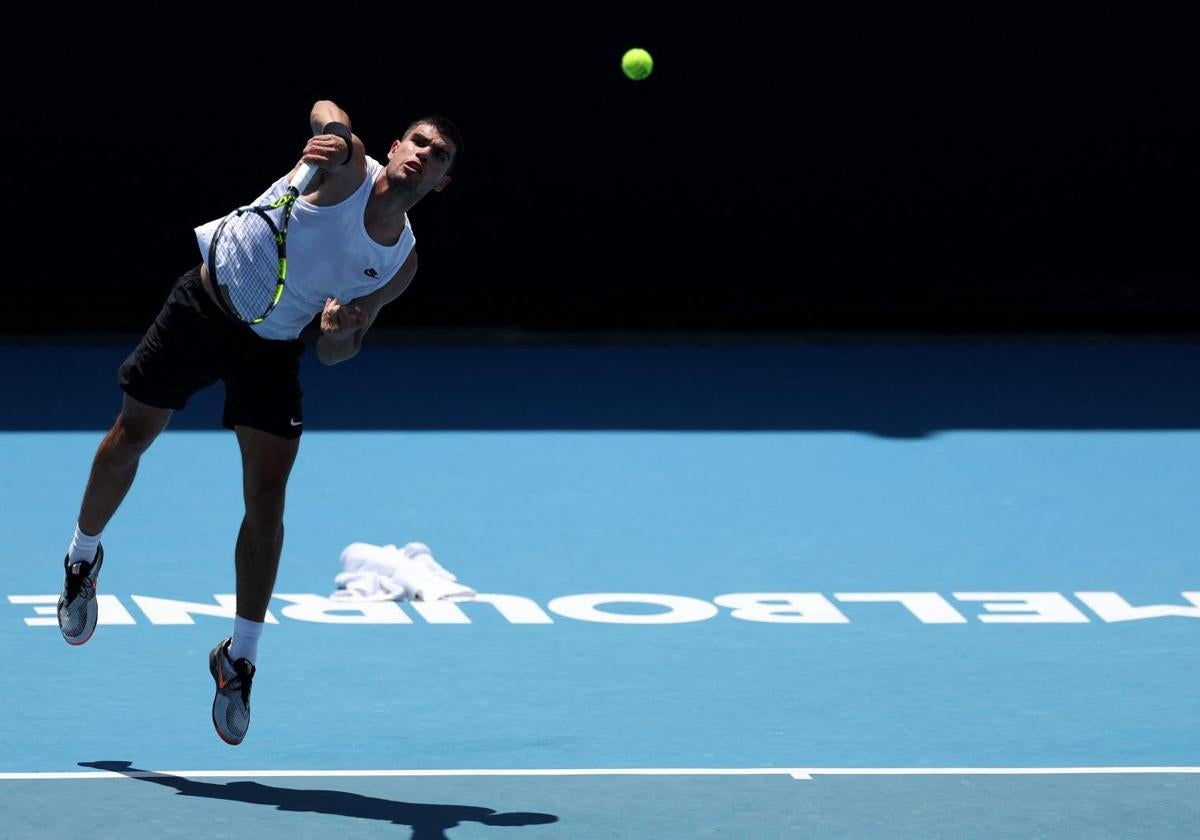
387,573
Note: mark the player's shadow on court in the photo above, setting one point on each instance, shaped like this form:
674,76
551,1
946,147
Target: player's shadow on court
428,821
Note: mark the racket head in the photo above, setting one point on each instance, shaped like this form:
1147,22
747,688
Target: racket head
247,263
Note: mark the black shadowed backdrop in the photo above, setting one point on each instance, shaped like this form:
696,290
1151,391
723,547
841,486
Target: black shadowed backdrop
881,166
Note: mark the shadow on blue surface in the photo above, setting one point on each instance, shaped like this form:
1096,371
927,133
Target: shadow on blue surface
428,822
888,388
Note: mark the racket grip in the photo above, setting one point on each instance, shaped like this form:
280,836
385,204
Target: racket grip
303,177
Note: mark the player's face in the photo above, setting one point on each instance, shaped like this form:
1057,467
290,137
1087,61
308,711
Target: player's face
419,161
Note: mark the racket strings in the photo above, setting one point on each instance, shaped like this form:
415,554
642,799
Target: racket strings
246,264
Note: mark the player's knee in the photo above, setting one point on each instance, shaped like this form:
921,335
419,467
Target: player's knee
264,497
133,435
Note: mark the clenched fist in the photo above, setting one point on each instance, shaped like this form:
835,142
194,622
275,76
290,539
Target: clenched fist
341,317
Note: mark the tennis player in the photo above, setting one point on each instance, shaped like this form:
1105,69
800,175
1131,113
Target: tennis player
350,252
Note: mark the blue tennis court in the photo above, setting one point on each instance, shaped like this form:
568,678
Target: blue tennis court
902,589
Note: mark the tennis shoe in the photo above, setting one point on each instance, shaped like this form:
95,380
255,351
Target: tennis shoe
77,609
231,705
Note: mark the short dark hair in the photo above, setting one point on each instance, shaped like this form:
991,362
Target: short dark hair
446,128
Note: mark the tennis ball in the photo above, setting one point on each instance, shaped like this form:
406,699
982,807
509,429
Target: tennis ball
637,63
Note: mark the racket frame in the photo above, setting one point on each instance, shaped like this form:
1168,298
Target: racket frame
296,186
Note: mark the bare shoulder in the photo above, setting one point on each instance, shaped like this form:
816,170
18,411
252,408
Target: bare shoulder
410,263
405,273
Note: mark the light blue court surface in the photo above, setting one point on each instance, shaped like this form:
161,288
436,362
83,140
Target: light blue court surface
876,590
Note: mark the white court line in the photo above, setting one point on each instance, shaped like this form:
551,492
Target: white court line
801,773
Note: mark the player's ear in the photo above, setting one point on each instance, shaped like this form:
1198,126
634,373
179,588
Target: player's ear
391,151
442,184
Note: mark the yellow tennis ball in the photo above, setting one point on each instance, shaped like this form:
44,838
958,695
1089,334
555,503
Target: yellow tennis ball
637,63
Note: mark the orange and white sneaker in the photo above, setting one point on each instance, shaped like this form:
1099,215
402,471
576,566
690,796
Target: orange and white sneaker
231,705
77,610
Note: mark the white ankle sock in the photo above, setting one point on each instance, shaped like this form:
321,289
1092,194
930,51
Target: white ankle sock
245,639
83,547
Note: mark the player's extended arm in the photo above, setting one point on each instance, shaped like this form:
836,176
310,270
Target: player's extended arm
344,325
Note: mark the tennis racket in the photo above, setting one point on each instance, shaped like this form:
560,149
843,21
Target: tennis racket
247,257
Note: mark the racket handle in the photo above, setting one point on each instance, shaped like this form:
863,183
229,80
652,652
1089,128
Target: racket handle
303,177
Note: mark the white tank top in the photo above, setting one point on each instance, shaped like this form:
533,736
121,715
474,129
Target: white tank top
329,254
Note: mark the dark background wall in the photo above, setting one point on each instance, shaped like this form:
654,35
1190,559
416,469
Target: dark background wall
815,166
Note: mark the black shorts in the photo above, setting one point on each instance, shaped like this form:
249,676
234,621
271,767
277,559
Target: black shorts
192,344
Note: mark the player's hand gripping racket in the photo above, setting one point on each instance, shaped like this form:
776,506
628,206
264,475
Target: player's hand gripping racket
247,258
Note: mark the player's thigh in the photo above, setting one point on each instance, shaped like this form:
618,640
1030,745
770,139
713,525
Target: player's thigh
267,461
262,389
